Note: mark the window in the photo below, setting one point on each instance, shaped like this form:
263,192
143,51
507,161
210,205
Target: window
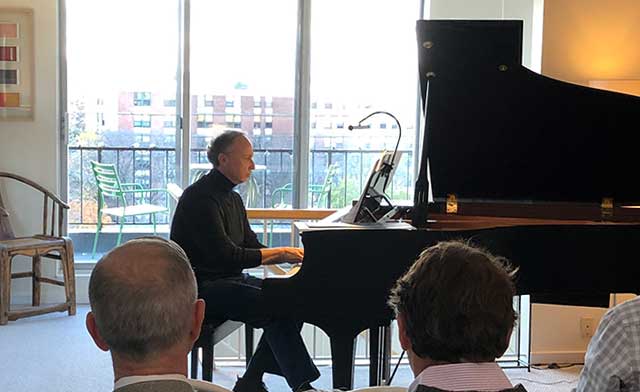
229,103
205,120
257,102
169,124
142,99
141,121
346,94
100,119
170,103
233,121
383,125
208,101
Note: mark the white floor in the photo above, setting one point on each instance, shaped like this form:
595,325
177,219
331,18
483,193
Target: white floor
54,353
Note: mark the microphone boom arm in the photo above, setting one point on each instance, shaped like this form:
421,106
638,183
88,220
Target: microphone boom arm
360,126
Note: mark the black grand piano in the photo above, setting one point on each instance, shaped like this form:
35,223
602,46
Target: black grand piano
534,169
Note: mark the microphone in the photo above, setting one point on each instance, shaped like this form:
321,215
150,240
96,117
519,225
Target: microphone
352,127
387,165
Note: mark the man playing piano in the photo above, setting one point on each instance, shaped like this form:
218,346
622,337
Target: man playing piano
211,225
455,316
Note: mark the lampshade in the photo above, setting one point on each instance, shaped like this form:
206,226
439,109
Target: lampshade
627,86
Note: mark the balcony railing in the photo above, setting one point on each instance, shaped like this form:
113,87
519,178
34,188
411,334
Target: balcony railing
155,167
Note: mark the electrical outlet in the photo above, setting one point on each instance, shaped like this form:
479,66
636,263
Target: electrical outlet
587,324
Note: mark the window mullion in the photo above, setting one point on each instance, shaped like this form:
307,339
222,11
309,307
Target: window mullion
301,106
183,102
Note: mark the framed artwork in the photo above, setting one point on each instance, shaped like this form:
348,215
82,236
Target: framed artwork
16,64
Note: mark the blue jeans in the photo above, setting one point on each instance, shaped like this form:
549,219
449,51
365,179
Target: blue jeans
281,349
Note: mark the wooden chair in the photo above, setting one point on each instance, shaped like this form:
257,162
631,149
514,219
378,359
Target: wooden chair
49,244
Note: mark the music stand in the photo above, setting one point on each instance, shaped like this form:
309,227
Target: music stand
374,206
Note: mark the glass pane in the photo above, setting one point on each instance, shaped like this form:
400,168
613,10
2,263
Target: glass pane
121,100
242,77
363,59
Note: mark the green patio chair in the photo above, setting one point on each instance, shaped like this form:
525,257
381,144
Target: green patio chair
110,187
318,193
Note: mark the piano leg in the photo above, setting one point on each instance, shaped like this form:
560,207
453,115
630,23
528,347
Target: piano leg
374,356
386,354
379,355
342,355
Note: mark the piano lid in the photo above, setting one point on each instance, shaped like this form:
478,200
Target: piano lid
496,131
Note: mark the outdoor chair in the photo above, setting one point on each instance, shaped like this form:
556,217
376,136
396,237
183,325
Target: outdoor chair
110,187
318,193
48,244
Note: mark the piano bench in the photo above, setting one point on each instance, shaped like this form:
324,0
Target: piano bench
213,332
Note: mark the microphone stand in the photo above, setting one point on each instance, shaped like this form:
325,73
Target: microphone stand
384,170
387,167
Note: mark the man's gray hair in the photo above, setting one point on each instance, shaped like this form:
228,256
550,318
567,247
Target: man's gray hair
142,310
221,144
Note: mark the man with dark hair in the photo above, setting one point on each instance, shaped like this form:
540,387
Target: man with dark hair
211,225
145,311
455,316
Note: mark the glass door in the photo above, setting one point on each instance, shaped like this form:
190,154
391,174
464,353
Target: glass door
242,78
121,89
363,59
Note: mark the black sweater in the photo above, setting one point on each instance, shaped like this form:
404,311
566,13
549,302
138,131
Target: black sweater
211,225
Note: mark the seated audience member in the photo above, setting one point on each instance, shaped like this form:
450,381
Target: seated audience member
144,310
612,362
455,316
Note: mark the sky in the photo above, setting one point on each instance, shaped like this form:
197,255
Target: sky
362,51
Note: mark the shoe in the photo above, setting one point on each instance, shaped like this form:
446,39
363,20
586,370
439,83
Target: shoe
310,388
314,389
243,385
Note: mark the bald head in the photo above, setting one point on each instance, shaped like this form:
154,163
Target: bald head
142,295
143,262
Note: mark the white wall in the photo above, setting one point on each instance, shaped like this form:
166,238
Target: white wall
30,148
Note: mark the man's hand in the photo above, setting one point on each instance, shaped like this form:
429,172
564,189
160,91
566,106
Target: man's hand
285,254
292,255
